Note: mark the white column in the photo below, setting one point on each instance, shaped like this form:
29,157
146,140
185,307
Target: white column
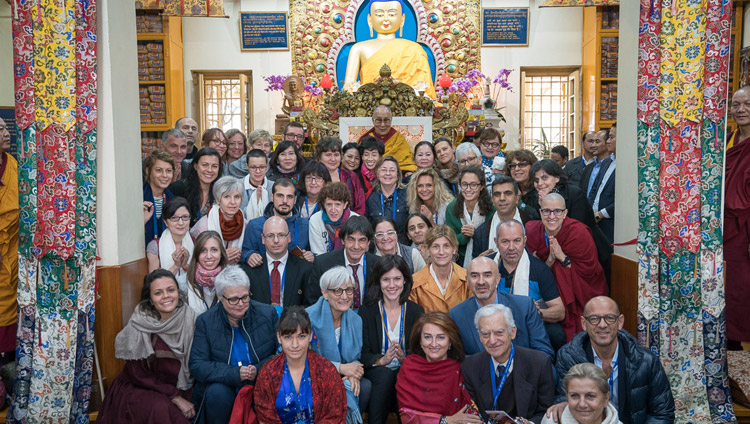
6,56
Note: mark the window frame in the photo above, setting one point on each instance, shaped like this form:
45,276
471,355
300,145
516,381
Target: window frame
246,95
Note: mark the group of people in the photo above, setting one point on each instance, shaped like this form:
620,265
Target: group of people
373,280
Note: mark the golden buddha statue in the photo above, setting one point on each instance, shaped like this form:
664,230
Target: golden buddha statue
407,59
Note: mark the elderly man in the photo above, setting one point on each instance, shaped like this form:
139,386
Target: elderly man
8,245
283,281
482,278
567,247
468,154
189,127
356,235
283,200
174,142
505,196
736,222
639,387
574,167
526,275
395,143
507,377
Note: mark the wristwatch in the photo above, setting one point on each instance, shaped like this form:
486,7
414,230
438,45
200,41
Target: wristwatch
443,420
566,261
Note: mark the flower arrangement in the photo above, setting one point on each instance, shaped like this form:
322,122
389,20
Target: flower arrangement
465,86
276,83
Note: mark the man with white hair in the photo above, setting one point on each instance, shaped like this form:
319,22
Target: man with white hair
507,377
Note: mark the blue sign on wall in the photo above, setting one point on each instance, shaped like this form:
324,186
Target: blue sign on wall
264,31
8,114
505,27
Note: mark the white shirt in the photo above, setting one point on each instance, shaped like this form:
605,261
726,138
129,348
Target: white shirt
282,266
360,272
437,282
505,364
615,372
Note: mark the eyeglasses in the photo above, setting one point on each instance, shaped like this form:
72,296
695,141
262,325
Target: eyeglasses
295,136
381,120
491,145
472,186
313,179
557,212
339,291
512,166
380,236
237,300
595,319
219,141
258,168
278,236
465,161
176,219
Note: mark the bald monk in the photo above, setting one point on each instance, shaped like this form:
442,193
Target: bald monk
8,246
407,59
395,143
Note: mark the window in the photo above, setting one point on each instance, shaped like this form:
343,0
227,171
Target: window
224,99
549,110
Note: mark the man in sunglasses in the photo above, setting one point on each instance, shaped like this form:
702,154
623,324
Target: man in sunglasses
568,249
638,385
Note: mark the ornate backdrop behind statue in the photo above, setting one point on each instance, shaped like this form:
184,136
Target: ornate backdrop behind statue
324,32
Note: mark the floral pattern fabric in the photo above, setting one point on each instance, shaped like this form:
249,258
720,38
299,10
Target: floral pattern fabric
649,61
184,7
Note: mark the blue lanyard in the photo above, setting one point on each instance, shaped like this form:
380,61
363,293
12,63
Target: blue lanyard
283,279
611,381
384,317
314,210
153,205
497,388
546,238
395,202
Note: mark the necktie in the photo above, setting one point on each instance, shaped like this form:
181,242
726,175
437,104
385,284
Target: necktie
500,372
276,284
357,295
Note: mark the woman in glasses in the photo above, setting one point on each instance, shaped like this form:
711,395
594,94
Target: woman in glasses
313,177
173,250
337,336
324,224
387,319
472,207
231,341
257,187
208,259
216,139
490,143
298,386
388,196
517,166
568,249
386,243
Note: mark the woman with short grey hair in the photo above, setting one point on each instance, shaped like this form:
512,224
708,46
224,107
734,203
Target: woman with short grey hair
464,153
225,217
338,337
232,276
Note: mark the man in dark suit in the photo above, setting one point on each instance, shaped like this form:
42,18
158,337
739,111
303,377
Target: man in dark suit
507,377
574,167
282,279
505,197
602,198
482,277
355,234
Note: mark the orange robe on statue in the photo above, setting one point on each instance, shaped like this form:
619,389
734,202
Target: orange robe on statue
8,253
407,60
396,146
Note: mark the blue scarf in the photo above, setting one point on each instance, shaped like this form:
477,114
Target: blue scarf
293,407
324,343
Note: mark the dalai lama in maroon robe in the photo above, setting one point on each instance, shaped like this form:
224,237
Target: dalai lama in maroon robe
737,222
568,248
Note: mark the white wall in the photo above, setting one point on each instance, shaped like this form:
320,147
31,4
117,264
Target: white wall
6,56
214,43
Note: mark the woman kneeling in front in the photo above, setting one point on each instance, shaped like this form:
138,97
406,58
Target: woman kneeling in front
587,390
298,386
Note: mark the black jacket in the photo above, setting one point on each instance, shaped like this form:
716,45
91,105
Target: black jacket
372,330
327,261
296,277
533,383
482,234
644,394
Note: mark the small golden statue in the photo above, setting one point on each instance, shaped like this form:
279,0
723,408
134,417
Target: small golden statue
294,89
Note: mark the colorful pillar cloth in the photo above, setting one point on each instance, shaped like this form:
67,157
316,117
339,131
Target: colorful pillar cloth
682,99
54,45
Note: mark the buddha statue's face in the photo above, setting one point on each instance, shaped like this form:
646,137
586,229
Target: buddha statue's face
386,17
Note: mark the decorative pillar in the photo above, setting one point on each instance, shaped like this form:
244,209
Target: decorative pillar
54,45
683,62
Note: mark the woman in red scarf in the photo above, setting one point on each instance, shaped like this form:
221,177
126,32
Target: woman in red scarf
430,388
568,249
226,217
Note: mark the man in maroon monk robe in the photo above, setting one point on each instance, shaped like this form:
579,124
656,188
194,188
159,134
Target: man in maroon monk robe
568,248
737,222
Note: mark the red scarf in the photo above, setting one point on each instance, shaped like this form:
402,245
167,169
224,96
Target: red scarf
231,230
435,387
